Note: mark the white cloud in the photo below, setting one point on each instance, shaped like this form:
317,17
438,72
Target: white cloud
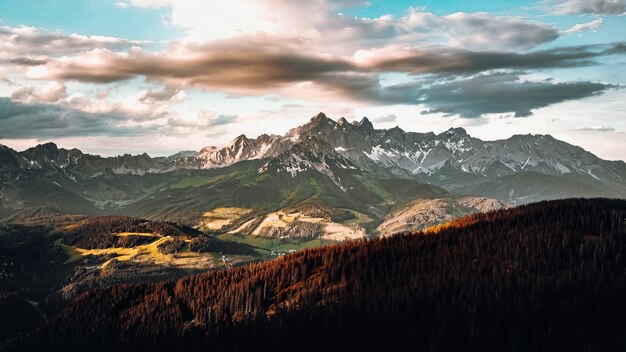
588,26
121,5
50,93
30,46
53,91
318,27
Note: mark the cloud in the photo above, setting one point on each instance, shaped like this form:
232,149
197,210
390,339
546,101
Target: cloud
446,61
502,93
384,119
320,24
121,5
51,92
597,7
169,93
595,128
231,67
589,26
19,121
262,66
18,45
205,119
23,61
224,120
485,31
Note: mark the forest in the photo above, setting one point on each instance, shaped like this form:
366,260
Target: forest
99,232
548,276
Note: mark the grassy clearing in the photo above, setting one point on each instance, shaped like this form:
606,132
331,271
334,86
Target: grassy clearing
142,234
220,217
148,252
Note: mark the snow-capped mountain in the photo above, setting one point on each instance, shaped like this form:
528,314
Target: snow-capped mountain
307,155
452,158
519,169
239,149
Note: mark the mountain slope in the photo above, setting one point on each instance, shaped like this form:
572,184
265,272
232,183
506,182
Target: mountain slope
48,258
329,157
547,276
453,158
308,170
419,214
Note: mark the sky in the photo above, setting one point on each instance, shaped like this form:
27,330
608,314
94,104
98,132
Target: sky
161,76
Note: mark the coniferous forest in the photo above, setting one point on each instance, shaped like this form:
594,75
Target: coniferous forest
548,276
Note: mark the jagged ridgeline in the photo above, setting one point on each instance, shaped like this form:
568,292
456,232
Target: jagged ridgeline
543,277
339,162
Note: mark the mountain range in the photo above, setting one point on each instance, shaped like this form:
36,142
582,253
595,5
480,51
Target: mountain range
339,163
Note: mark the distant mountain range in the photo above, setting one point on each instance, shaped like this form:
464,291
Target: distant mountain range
342,164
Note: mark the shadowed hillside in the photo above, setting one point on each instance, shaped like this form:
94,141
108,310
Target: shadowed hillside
548,277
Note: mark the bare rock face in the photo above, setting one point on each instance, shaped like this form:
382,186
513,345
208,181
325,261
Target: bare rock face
423,213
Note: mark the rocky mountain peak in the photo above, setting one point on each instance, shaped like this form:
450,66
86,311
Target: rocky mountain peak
321,117
240,142
396,131
46,147
459,131
321,120
310,154
42,153
365,123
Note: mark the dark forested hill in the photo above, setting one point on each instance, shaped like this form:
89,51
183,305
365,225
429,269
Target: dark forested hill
548,276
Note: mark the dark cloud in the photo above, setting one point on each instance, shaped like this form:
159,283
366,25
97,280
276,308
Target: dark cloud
595,129
23,61
367,88
237,67
439,61
597,7
19,120
503,93
217,66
